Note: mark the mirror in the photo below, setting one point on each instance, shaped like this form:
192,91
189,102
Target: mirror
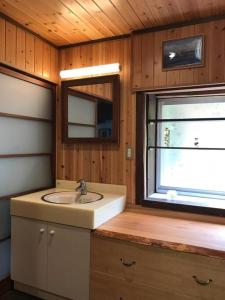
91,109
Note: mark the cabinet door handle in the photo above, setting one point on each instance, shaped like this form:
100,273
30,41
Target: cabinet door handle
202,282
127,263
52,232
42,230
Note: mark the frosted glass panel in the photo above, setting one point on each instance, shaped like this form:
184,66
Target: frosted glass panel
192,169
4,219
81,131
24,173
81,110
4,259
33,136
203,134
192,107
24,98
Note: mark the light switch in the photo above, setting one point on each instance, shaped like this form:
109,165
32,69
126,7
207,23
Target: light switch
129,152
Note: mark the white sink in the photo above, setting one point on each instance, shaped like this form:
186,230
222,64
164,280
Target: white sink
71,197
62,205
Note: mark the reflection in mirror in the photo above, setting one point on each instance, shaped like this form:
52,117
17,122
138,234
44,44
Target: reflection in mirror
91,110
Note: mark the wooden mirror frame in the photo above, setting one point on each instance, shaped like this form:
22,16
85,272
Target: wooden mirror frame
65,85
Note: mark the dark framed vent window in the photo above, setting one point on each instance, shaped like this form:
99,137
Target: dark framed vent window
184,151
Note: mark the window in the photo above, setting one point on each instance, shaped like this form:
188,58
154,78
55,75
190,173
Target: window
184,150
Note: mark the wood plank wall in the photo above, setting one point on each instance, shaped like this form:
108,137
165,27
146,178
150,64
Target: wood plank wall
24,51
107,163
99,162
147,58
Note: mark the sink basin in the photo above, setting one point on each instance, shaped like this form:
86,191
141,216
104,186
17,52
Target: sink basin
71,197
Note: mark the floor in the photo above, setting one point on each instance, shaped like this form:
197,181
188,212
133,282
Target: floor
14,295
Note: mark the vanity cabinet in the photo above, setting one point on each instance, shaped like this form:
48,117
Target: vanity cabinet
126,271
51,257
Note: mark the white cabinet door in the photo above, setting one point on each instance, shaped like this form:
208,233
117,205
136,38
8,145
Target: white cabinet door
29,252
68,261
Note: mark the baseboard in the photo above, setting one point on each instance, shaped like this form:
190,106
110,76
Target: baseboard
5,285
36,292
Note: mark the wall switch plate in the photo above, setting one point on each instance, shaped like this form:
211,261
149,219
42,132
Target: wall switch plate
129,152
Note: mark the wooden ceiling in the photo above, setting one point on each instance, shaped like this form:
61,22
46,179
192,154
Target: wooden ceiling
65,22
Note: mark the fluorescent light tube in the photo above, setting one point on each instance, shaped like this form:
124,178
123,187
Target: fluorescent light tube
88,71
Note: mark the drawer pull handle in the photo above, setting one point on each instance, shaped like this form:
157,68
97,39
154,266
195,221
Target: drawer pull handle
126,263
202,282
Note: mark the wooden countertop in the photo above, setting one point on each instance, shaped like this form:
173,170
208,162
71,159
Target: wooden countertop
173,233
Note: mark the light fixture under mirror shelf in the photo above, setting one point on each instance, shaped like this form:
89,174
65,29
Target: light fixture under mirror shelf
91,109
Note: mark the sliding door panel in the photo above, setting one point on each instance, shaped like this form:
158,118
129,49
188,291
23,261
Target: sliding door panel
4,219
20,174
4,258
79,131
24,98
19,136
81,111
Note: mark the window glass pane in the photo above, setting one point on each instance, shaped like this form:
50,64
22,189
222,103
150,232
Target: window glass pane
81,110
192,107
151,134
77,131
24,173
24,98
197,134
34,136
201,170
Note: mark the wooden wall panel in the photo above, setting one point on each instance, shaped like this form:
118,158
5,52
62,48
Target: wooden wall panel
23,50
101,162
20,49
147,57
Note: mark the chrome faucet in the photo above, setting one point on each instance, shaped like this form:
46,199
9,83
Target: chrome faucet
82,188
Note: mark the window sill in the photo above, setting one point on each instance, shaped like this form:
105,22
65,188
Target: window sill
199,205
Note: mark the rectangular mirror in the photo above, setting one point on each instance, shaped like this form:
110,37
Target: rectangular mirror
91,109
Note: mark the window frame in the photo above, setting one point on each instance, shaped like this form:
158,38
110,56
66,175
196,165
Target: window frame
141,151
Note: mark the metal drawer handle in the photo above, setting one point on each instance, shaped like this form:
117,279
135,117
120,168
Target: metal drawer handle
202,282
126,263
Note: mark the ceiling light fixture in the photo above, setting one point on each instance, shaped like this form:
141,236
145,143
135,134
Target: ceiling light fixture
89,71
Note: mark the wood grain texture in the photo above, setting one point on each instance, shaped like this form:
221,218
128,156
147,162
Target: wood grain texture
108,287
24,51
147,70
65,22
98,162
177,234
164,273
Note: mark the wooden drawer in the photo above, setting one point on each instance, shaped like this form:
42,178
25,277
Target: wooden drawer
111,288
159,268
